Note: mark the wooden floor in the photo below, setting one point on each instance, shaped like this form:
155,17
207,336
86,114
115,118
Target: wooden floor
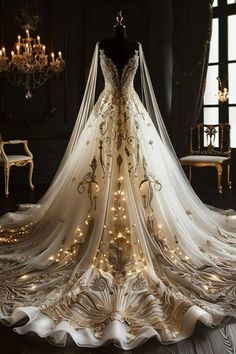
203,341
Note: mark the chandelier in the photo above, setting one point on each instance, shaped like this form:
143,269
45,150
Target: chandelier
29,65
223,93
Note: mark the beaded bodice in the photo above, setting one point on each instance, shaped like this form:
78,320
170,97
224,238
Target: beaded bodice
114,80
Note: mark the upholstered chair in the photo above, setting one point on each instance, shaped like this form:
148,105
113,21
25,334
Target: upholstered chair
8,160
209,147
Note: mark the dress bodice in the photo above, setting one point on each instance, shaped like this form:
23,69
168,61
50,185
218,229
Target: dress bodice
119,82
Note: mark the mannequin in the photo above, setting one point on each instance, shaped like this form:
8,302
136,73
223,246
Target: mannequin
119,48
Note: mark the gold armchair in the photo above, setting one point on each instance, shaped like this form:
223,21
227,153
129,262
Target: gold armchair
209,147
15,160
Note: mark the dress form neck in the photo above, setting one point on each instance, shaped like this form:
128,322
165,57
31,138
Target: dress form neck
119,33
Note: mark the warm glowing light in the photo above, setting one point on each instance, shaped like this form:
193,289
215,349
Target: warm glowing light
223,93
25,276
30,62
53,57
214,277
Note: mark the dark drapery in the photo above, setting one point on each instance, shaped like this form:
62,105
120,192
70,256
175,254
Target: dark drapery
192,22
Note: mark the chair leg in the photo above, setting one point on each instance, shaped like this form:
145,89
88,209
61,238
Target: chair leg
31,168
190,174
228,177
6,178
219,175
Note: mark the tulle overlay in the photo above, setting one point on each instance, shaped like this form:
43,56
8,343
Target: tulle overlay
119,248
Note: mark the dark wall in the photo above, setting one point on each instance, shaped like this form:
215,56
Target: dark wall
74,26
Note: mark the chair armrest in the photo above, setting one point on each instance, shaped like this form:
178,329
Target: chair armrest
16,141
2,151
27,150
13,142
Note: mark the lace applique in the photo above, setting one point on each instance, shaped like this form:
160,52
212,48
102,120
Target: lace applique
111,74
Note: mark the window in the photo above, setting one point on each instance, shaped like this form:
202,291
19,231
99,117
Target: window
222,64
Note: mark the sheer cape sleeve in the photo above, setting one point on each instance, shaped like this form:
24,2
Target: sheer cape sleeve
86,107
149,100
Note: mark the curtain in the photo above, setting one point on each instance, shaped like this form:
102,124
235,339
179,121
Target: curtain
192,24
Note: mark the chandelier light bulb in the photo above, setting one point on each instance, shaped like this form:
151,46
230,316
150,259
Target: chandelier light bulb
53,57
223,93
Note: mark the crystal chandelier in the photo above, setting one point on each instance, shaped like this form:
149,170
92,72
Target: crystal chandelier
29,65
223,93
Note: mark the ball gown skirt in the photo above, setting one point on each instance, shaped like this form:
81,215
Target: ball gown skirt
120,248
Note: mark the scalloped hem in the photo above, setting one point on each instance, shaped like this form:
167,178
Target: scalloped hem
116,332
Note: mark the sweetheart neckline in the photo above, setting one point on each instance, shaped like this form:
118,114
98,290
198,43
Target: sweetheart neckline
136,54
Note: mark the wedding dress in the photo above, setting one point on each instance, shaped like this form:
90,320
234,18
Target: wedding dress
119,248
